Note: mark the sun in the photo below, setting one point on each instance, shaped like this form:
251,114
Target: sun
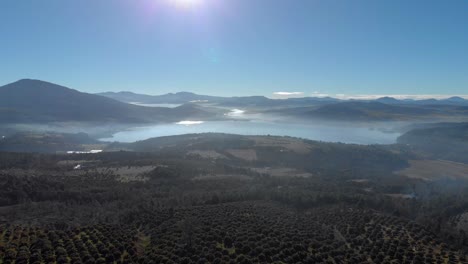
186,3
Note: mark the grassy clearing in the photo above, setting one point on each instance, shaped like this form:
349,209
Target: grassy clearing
435,169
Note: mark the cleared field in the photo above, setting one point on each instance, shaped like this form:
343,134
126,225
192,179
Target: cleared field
435,169
206,154
222,177
128,174
400,195
282,172
290,144
360,180
245,154
68,163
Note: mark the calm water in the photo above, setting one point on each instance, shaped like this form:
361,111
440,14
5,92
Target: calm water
322,132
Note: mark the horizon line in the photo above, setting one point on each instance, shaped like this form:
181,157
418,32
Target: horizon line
290,95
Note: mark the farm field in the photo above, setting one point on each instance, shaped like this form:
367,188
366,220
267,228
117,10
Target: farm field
435,169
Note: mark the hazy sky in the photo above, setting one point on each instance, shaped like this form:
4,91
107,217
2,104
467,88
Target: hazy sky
238,47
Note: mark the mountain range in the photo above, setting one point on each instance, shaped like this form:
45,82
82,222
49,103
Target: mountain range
186,97
375,111
454,100
170,98
323,108
37,101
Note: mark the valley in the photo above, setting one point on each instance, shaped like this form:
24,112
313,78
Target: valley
229,180
233,132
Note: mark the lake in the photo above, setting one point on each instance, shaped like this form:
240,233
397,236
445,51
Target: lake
314,131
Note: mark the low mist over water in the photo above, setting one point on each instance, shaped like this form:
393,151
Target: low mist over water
156,105
322,132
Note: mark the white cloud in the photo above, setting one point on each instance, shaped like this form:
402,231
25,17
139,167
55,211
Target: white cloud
285,95
288,93
396,96
319,94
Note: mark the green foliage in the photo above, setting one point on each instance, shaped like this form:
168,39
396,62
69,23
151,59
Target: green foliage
190,209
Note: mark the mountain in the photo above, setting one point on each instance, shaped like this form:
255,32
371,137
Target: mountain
388,100
360,111
33,101
170,98
187,97
454,100
126,97
38,101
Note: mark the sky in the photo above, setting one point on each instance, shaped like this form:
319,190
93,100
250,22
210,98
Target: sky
276,48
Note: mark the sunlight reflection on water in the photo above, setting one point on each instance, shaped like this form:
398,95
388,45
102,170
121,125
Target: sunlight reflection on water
189,123
313,131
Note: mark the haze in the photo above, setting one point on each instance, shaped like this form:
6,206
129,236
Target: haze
233,131
234,48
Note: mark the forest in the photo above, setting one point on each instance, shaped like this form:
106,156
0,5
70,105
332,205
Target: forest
217,198
233,131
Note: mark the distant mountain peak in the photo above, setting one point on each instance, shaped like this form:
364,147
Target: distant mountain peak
34,81
32,101
26,85
124,92
29,82
387,100
456,99
185,93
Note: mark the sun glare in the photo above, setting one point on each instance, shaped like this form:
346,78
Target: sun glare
186,3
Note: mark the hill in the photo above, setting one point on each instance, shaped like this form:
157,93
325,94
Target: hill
373,111
32,101
48,142
282,151
446,141
368,111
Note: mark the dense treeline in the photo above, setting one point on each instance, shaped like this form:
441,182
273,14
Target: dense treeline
45,142
190,209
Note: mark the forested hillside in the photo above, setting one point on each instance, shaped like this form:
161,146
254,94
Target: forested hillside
447,141
227,199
